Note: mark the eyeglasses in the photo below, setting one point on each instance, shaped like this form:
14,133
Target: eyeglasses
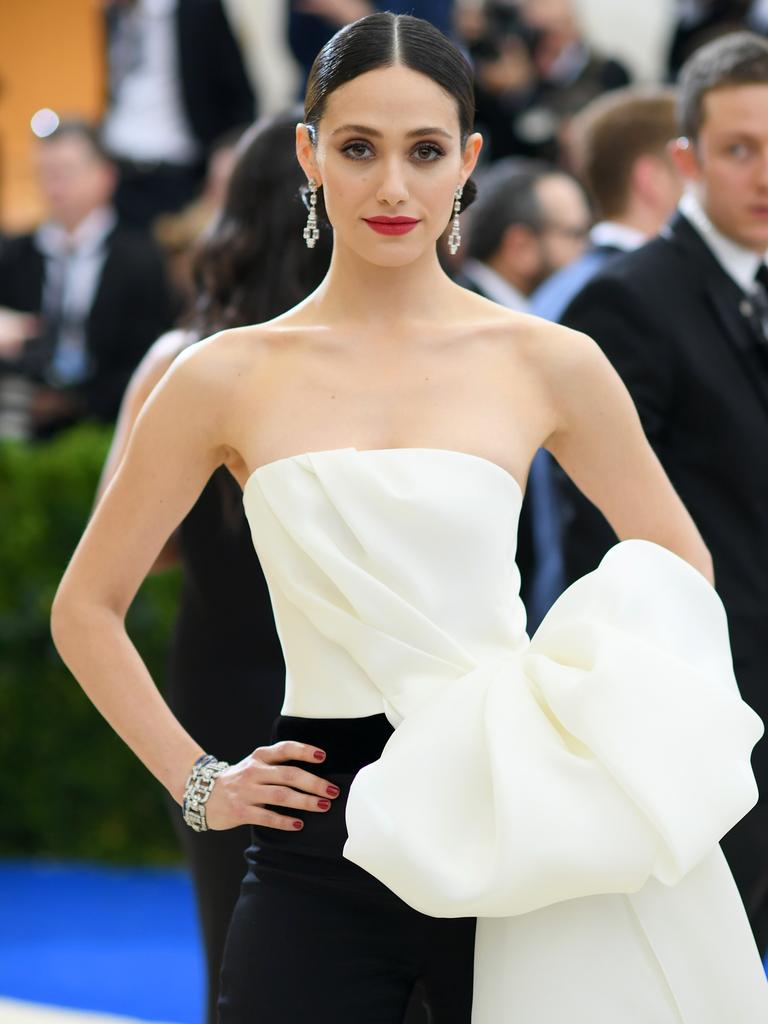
574,233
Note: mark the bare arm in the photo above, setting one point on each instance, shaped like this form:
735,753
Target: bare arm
148,374
177,442
600,444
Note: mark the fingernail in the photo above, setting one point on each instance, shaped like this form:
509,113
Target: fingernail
298,824
332,790
319,755
323,804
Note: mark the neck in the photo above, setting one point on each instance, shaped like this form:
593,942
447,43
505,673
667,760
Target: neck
355,291
70,223
640,216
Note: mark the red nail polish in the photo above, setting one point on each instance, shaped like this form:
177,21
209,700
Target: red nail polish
323,804
332,790
319,755
298,824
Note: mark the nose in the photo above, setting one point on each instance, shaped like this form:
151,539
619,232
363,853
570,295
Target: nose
393,188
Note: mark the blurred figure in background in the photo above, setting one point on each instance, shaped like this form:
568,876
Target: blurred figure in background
528,221
311,23
177,83
93,292
619,149
535,70
700,21
684,320
178,234
252,265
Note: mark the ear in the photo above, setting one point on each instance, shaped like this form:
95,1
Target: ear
305,152
469,157
683,154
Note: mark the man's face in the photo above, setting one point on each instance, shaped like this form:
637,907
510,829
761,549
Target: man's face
565,233
729,163
74,180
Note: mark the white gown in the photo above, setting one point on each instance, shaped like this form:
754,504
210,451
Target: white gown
569,791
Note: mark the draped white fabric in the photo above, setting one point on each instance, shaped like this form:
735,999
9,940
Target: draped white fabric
569,791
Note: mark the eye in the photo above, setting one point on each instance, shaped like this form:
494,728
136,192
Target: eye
426,152
357,150
739,150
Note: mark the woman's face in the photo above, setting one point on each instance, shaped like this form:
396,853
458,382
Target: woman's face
388,155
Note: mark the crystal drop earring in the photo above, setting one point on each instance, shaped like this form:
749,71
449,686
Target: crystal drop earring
311,232
454,238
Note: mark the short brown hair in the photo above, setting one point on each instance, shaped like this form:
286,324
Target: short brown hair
612,133
739,58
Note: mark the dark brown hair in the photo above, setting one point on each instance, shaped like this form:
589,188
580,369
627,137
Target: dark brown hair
253,264
381,41
740,58
611,134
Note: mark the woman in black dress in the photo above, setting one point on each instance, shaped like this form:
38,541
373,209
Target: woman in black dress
252,265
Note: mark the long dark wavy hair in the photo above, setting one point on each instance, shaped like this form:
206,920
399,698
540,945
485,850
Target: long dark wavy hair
252,263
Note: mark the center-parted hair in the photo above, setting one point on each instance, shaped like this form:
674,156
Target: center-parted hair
382,41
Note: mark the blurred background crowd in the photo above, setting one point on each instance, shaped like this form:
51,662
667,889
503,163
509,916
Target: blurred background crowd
120,200
141,208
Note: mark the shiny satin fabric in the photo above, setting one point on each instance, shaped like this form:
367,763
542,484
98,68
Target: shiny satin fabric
569,791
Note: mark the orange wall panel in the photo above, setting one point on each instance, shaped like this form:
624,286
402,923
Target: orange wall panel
51,55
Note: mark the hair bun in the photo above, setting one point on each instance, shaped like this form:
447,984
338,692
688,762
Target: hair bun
469,194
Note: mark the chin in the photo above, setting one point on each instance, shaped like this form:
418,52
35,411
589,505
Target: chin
397,255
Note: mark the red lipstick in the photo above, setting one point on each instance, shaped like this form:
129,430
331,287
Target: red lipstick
391,225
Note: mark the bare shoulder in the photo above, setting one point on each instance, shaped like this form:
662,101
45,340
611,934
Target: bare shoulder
558,355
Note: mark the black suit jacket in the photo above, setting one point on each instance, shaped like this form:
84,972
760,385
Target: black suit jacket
131,307
217,92
676,328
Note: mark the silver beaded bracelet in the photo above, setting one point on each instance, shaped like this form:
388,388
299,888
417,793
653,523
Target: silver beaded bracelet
199,787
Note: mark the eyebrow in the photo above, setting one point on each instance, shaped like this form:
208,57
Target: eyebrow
361,129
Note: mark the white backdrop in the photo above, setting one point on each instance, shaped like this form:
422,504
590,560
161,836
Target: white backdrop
637,31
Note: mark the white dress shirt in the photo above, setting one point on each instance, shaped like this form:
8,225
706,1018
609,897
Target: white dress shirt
73,266
739,263
147,120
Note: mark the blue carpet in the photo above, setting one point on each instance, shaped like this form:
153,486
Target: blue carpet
117,940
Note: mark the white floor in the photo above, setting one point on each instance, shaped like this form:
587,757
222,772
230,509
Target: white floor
15,1012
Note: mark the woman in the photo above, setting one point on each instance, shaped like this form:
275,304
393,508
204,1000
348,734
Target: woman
569,793
251,265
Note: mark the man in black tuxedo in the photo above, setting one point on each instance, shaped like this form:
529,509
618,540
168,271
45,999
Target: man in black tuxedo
95,294
684,320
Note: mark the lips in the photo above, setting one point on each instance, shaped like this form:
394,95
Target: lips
391,225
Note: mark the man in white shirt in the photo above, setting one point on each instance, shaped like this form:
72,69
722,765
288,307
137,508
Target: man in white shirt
94,294
177,84
684,320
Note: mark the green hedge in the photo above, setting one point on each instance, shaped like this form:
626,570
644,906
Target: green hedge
70,787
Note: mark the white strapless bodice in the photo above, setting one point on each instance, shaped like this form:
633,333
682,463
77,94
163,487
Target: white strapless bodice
390,571
601,760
